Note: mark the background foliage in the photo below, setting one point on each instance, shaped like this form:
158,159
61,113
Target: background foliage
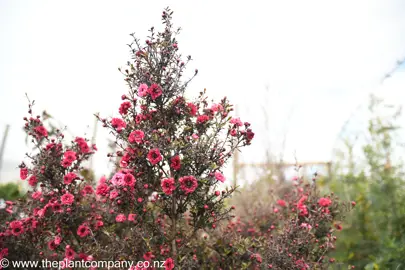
374,237
10,191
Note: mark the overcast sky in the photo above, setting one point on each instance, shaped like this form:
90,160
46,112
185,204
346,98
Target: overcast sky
318,59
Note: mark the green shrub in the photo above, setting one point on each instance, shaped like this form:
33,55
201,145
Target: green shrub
375,234
10,191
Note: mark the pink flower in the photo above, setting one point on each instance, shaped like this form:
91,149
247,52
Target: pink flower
256,257
85,257
136,136
113,194
154,156
195,136
219,176
118,124
32,181
302,265
193,108
68,178
36,195
217,107
175,163
41,131
124,107
125,160
302,200
3,253
57,208
102,189
52,245
139,118
84,147
102,180
169,264
69,253
236,121
201,119
99,224
302,207
306,225
57,240
41,212
67,199
129,180
23,173
69,156
120,218
282,203
148,256
87,190
324,202
142,90
49,146
131,217
188,184
83,230
16,227
249,135
155,91
118,179
168,185
65,163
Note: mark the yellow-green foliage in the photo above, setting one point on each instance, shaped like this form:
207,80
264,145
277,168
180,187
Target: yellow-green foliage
10,191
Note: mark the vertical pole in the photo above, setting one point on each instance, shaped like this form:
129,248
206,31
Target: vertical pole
3,145
93,140
330,170
235,167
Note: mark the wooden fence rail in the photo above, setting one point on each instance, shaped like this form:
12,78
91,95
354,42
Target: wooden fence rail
238,166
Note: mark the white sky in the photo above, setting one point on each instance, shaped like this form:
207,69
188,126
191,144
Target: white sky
320,60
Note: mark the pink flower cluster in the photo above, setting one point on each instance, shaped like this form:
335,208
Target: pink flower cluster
136,136
84,147
154,91
118,124
68,158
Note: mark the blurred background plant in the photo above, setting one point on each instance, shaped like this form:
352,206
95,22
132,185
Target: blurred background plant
366,168
374,177
10,191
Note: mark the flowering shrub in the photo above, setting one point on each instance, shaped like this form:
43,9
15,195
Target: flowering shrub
166,200
165,191
293,227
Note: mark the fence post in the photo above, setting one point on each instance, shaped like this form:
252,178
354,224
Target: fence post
235,167
93,141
